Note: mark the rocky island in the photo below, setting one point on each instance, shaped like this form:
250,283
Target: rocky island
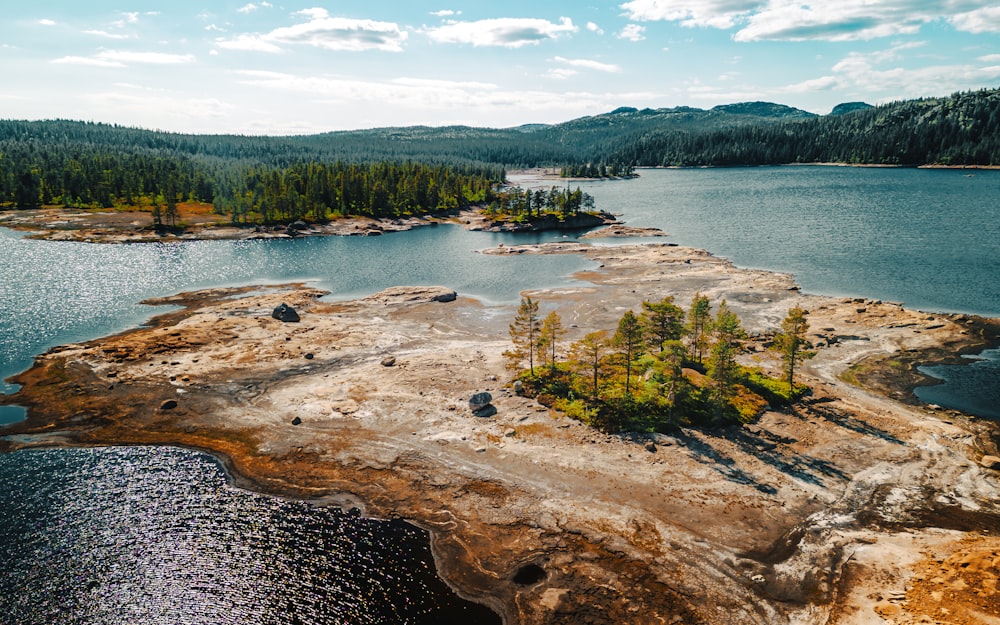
854,505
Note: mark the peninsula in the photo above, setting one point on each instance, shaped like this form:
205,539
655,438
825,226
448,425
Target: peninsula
854,505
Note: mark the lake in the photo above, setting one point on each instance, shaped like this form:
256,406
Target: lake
174,543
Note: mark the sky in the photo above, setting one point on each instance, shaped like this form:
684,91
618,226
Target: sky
277,67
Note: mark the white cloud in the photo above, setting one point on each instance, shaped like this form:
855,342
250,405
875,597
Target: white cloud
122,58
439,95
106,34
990,58
823,83
213,27
46,22
507,32
713,13
150,58
560,73
323,31
588,64
248,43
844,20
632,32
594,28
445,13
251,7
983,20
83,60
127,18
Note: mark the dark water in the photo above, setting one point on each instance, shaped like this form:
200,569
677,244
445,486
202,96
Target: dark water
121,536
973,388
155,535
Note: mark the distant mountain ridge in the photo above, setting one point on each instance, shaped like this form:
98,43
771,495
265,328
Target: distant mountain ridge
960,129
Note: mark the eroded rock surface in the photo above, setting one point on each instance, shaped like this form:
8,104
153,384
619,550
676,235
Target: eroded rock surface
843,509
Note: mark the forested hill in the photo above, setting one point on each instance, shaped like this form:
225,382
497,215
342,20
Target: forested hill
82,163
959,129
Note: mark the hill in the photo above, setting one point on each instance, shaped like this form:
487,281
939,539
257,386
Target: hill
82,162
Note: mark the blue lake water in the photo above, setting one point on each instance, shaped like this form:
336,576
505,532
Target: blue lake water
929,239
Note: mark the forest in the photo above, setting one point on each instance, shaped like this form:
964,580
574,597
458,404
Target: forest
404,171
660,369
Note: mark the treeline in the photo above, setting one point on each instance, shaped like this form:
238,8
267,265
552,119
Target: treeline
661,369
963,129
79,171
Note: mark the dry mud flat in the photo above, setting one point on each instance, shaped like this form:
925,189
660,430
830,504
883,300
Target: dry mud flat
848,508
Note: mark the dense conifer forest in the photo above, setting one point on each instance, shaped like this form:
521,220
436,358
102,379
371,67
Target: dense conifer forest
404,171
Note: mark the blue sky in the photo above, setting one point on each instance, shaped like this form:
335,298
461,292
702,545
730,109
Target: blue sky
273,67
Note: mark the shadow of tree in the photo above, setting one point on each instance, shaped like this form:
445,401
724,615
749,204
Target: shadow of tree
849,422
723,464
800,466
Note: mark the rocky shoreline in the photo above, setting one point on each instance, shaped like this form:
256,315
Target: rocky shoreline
847,508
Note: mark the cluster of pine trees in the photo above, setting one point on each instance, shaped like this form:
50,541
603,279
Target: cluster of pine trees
318,191
600,170
517,204
660,369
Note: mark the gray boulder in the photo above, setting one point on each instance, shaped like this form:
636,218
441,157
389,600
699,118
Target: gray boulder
285,313
480,401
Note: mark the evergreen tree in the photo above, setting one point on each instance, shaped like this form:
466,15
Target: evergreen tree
587,357
792,344
628,341
661,322
524,334
699,325
549,334
728,335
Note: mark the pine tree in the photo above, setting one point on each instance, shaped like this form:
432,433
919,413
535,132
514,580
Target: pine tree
792,344
549,335
699,325
661,322
728,337
628,341
587,357
524,334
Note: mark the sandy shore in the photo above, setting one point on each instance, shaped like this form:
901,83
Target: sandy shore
852,507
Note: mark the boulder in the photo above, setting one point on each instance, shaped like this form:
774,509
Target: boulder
296,421
991,462
479,401
445,297
168,404
389,361
285,313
